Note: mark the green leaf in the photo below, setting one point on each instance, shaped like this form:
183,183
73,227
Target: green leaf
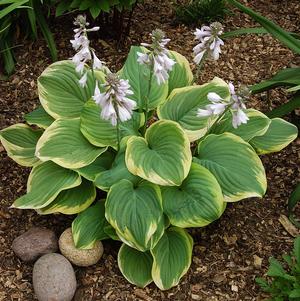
297,249
279,135
59,90
181,74
295,293
171,257
8,58
62,7
197,202
163,157
242,31
139,79
45,182
136,213
257,125
135,265
263,284
111,232
101,132
102,163
39,117
183,103
294,199
250,30
63,143
72,201
284,77
116,171
8,9
286,108
235,165
294,89
32,19
43,25
95,11
275,268
283,36
88,226
20,141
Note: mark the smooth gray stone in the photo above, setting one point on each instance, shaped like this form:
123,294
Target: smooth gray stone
34,243
54,278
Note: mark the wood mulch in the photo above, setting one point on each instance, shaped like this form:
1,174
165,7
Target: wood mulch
229,253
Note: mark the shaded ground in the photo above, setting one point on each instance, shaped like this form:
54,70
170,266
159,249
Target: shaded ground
223,260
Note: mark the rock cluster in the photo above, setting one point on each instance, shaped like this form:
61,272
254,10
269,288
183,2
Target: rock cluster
53,275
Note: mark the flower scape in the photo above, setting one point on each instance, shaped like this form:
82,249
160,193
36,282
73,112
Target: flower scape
146,151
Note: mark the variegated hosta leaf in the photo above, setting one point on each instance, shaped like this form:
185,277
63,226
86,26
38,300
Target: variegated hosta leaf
39,117
136,213
72,201
139,79
181,75
183,103
111,232
257,125
102,163
63,143
116,171
59,90
135,265
279,135
88,226
171,257
20,140
101,132
45,182
235,165
163,157
197,202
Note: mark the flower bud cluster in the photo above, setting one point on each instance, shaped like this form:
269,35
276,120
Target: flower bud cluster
84,53
158,57
113,101
210,42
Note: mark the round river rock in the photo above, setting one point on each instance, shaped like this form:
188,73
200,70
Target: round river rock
34,243
79,257
53,278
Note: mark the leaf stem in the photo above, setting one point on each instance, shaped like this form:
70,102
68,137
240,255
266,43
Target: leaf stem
147,101
211,128
199,68
118,127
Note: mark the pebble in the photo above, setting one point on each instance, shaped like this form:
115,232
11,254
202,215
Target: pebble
53,278
34,243
79,257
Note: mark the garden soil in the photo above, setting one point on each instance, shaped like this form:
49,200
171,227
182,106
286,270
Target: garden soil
229,253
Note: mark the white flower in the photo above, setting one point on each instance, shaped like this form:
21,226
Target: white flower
217,108
143,58
97,64
81,44
214,97
204,113
210,43
219,105
79,68
114,102
239,117
158,56
83,79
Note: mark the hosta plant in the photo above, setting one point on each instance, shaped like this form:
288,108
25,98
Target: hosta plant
142,155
